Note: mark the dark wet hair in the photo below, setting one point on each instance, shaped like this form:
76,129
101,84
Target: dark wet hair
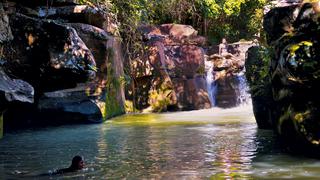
75,161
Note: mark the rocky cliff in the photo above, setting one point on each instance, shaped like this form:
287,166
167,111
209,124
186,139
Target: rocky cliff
171,76
68,53
291,83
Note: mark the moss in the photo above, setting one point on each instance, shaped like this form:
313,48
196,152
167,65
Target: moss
293,48
129,107
159,99
283,118
300,117
201,70
112,106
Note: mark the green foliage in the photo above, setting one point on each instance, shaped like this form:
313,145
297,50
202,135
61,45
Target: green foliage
159,99
236,19
233,19
257,66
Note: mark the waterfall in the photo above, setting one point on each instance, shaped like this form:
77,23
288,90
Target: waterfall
244,96
236,93
211,85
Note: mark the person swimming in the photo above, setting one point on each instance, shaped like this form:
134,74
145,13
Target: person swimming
77,164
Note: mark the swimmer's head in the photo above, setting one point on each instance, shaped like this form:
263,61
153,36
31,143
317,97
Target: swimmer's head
77,163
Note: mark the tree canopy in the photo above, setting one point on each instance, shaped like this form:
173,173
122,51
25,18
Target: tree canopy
233,19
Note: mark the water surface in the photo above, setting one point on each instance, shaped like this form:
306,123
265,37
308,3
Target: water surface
206,144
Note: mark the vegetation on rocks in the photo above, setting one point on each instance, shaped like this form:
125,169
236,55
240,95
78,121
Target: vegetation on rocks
236,19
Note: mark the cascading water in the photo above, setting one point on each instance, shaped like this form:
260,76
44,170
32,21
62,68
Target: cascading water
211,85
230,92
226,82
244,96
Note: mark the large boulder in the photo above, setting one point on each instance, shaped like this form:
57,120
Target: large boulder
179,61
172,34
70,103
14,90
280,21
294,76
49,55
91,15
258,78
107,87
175,67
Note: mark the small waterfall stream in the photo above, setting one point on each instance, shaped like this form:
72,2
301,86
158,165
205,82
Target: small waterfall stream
229,92
244,95
211,85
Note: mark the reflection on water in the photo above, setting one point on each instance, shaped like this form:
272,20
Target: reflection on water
207,144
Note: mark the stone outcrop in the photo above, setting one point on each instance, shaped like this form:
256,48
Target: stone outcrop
76,14
71,56
107,86
14,90
294,75
173,68
50,56
10,89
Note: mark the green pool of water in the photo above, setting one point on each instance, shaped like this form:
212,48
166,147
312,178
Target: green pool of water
206,144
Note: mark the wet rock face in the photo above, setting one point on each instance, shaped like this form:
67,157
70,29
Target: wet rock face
106,50
184,60
175,66
69,54
49,55
294,77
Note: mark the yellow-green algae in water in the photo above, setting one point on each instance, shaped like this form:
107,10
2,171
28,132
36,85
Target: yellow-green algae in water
202,117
